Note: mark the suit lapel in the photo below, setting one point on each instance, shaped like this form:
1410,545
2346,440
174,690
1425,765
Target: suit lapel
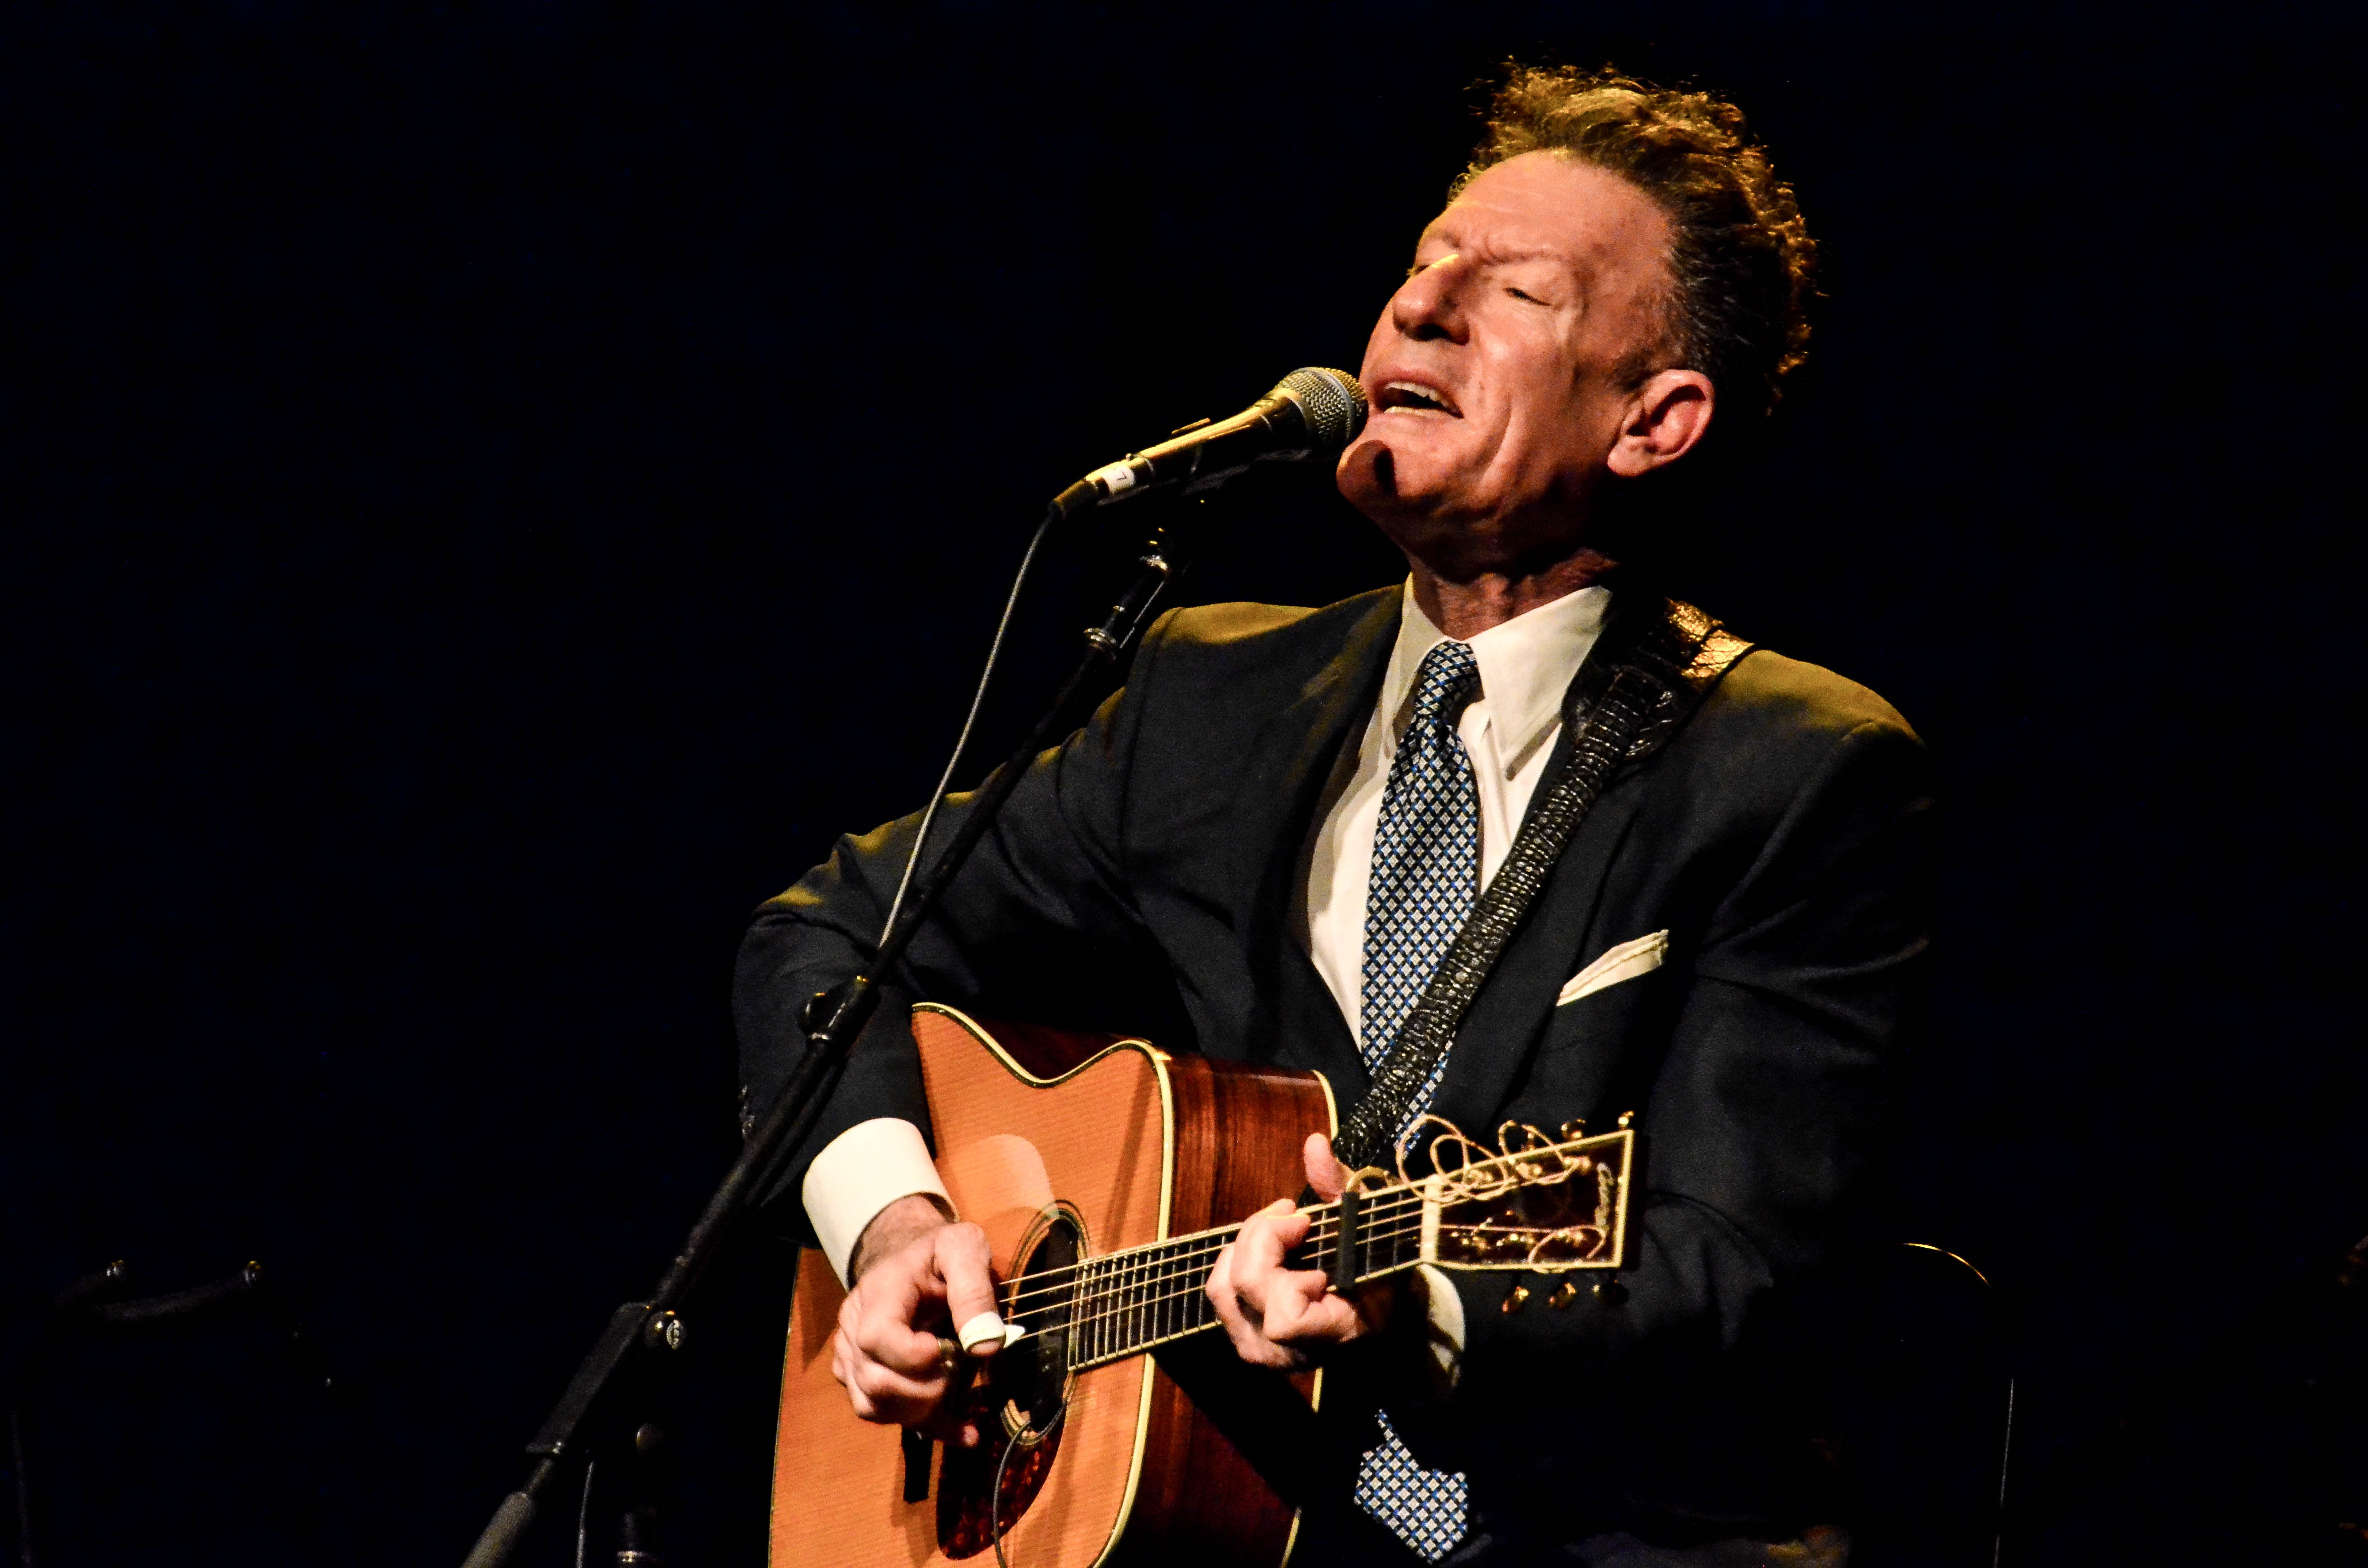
1298,1023
1686,652
1515,1009
1515,1004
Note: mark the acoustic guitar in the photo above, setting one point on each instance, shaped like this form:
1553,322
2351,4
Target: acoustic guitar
1108,1175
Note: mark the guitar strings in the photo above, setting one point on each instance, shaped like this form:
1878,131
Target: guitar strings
1112,1306
1116,1304
1219,1236
1099,1282
1384,1203
1124,1296
1388,1201
1119,1266
1217,1241
1107,1291
1110,1347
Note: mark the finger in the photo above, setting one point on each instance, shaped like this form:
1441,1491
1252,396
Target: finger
1219,1290
1246,1316
1285,1308
1266,1238
1248,1262
1325,1174
882,1315
886,1334
1257,1257
842,1367
1225,1298
902,1398
965,1266
1301,1311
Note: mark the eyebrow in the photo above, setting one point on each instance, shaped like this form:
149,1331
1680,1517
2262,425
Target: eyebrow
1483,253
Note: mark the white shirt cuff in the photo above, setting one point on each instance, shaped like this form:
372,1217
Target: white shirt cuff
1443,1304
860,1171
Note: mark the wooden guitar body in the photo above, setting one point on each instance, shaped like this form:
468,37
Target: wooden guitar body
1136,1146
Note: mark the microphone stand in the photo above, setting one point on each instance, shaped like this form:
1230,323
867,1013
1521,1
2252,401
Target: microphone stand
640,1331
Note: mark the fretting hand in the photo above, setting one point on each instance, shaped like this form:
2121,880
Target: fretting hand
1285,1317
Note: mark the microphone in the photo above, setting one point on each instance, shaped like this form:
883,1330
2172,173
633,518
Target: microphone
1310,412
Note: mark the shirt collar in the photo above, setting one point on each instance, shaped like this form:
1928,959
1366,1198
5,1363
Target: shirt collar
1526,664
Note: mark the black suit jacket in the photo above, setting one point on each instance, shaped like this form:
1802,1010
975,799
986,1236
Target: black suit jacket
1143,878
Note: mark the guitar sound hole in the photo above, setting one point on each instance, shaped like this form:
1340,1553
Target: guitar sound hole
1017,1402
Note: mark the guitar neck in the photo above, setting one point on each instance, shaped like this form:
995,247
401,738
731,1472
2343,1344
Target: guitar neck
1122,1303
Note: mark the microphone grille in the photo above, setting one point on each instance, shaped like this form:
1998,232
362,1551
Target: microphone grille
1331,402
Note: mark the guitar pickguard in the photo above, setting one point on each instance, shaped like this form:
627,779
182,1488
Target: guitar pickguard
1021,1396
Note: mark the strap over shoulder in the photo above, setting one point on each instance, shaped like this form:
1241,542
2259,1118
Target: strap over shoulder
1670,653
1651,668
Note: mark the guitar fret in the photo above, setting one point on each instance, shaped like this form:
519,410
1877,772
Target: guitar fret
1128,1304
1146,1289
1113,1297
1091,1307
1145,1296
1105,1291
1090,1310
1114,1300
1122,1317
1140,1318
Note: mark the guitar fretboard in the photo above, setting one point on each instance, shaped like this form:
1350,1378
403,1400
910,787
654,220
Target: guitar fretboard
1123,1303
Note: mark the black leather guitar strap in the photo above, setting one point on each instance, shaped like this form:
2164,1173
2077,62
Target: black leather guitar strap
1651,669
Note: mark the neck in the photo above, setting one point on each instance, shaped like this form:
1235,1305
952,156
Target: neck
1120,1304
1465,606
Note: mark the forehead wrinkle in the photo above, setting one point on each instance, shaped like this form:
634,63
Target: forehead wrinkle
1592,250
1500,250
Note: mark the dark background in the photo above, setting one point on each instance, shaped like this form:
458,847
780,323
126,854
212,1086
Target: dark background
492,489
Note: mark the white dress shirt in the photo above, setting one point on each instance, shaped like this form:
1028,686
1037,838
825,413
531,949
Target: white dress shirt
1508,730
1526,664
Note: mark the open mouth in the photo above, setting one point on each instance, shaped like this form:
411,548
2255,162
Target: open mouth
1413,397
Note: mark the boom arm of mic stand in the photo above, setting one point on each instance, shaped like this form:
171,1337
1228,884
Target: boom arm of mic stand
653,1324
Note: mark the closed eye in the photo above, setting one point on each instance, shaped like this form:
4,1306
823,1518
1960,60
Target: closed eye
1519,295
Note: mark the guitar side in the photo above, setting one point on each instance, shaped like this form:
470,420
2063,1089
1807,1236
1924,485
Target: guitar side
1141,1146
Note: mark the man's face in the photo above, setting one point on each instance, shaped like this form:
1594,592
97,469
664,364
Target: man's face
1497,371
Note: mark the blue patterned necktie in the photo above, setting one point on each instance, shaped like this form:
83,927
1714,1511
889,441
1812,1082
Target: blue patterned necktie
1426,875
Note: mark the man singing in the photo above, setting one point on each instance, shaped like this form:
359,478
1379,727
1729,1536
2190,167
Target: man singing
1262,847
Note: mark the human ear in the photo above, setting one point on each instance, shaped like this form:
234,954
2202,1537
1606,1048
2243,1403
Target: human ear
1665,417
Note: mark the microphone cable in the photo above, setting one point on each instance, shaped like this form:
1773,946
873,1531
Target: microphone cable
969,721
1326,410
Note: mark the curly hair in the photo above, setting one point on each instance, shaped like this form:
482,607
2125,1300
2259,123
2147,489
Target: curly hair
1740,258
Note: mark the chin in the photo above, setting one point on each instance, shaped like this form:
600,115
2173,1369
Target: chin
1388,483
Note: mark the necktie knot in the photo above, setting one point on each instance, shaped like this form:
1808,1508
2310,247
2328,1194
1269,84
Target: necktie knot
1444,683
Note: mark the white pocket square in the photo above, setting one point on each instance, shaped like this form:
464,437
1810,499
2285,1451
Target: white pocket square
1625,961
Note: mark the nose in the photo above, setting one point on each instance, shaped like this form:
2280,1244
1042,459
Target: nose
1430,304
